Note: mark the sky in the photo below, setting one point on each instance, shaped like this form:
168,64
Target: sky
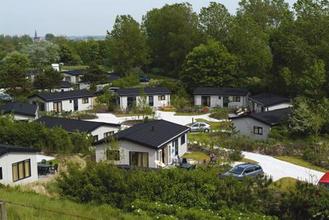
80,17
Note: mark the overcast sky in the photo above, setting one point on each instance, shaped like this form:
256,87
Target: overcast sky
79,17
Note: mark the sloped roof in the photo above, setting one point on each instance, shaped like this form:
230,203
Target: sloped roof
73,72
270,118
72,125
5,148
220,91
268,99
19,108
324,178
153,134
57,96
147,91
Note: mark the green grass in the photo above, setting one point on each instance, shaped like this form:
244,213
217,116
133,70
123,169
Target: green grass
300,162
284,184
213,125
27,205
198,156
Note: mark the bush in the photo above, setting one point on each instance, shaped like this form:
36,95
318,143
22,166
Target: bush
128,81
219,113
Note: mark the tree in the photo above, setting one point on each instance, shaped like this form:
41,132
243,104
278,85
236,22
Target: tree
88,52
215,21
209,65
13,69
172,32
307,118
42,54
94,74
49,79
49,37
127,45
68,55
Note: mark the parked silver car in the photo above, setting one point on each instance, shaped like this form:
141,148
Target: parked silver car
244,170
200,127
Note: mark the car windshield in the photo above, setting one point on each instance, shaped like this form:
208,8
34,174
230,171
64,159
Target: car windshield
237,170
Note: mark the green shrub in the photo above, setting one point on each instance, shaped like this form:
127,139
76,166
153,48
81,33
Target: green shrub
219,113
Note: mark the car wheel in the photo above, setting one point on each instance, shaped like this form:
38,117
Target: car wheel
206,130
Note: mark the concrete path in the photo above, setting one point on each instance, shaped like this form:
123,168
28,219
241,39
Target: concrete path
168,116
278,169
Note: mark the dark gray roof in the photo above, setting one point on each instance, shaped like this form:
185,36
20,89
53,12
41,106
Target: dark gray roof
154,134
57,96
19,108
147,91
270,118
268,99
73,72
220,91
5,148
72,125
113,76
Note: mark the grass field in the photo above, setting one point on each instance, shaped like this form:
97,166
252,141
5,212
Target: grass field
300,162
285,184
26,205
198,156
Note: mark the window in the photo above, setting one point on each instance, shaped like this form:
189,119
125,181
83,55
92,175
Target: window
182,139
151,101
108,134
175,146
258,130
138,159
21,170
85,100
161,97
71,100
236,99
219,97
57,106
0,173
95,138
113,154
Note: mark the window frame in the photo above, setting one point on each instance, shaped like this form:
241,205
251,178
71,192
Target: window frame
24,175
115,156
182,139
161,98
236,99
108,134
84,101
258,130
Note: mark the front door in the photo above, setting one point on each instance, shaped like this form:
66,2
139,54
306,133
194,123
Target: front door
226,100
205,101
76,106
131,102
57,106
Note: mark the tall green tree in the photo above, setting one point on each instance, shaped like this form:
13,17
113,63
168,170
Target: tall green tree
215,20
127,45
42,54
48,79
13,69
172,32
210,64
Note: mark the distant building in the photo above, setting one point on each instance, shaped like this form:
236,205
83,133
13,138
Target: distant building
70,101
258,125
268,102
20,111
221,97
36,38
156,97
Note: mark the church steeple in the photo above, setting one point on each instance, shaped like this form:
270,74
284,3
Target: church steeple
36,38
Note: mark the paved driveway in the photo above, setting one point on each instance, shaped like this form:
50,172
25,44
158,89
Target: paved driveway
278,169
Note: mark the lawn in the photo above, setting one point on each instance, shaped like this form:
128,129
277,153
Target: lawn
300,162
26,205
196,155
285,184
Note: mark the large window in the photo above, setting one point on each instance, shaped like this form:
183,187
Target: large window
236,99
85,100
161,97
139,159
21,170
182,139
57,106
258,130
0,173
112,154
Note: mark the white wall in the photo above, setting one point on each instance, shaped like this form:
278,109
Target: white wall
6,162
18,117
71,79
156,102
216,102
67,105
102,130
245,126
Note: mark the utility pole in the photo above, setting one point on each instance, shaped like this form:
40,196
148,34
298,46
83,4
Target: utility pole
3,211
